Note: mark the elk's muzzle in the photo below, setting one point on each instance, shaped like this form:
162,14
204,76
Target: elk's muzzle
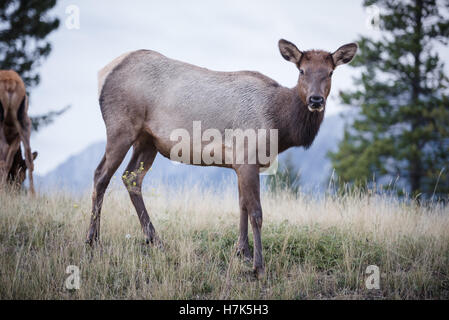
316,103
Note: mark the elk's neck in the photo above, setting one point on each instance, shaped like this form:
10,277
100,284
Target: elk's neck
297,125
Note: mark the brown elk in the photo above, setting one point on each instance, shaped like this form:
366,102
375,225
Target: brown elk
144,96
15,127
17,173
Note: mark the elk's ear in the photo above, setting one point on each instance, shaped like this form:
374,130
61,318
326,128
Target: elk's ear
34,155
289,51
344,54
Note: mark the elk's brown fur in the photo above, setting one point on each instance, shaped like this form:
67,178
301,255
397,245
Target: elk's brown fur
15,125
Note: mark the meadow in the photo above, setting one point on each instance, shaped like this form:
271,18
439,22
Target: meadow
314,248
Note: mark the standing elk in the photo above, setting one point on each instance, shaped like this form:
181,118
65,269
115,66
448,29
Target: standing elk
145,96
15,127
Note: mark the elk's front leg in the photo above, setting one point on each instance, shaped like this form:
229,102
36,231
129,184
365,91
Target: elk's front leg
243,244
249,192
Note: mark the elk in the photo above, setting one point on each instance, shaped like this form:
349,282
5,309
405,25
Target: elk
144,96
17,173
15,127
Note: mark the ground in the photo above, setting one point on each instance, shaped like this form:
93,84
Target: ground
313,248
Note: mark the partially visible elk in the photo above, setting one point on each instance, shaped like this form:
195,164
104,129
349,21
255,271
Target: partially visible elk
15,128
17,173
145,96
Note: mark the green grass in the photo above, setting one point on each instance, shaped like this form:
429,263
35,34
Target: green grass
313,249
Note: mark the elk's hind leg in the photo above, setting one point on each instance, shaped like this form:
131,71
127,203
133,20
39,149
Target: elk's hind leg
23,126
116,149
143,156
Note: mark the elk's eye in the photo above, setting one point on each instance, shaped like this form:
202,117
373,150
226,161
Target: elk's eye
301,71
331,73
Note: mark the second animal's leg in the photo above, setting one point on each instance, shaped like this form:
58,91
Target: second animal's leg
143,156
3,150
116,149
10,153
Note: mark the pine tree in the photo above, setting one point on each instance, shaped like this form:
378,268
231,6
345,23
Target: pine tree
402,127
23,31
286,178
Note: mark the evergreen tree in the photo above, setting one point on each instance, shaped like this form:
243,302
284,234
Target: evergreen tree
402,127
23,30
286,178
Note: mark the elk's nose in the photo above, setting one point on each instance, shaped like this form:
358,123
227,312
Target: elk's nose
316,101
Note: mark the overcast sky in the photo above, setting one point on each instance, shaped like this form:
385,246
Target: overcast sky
219,35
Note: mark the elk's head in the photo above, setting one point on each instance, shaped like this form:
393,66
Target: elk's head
17,173
315,71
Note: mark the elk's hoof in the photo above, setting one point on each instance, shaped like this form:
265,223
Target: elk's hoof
91,241
259,272
244,253
156,242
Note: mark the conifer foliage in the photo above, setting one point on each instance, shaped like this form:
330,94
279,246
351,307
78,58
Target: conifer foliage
402,127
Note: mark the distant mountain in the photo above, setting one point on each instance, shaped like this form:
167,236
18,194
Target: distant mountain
76,173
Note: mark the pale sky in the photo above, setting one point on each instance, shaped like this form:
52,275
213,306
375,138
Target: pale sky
219,35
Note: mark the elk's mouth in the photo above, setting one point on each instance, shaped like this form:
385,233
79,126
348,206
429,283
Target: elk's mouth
313,108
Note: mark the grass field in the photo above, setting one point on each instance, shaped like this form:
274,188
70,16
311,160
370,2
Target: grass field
313,248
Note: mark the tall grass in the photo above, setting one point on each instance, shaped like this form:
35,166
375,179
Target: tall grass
313,248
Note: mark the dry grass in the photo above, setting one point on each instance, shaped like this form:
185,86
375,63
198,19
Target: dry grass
314,248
